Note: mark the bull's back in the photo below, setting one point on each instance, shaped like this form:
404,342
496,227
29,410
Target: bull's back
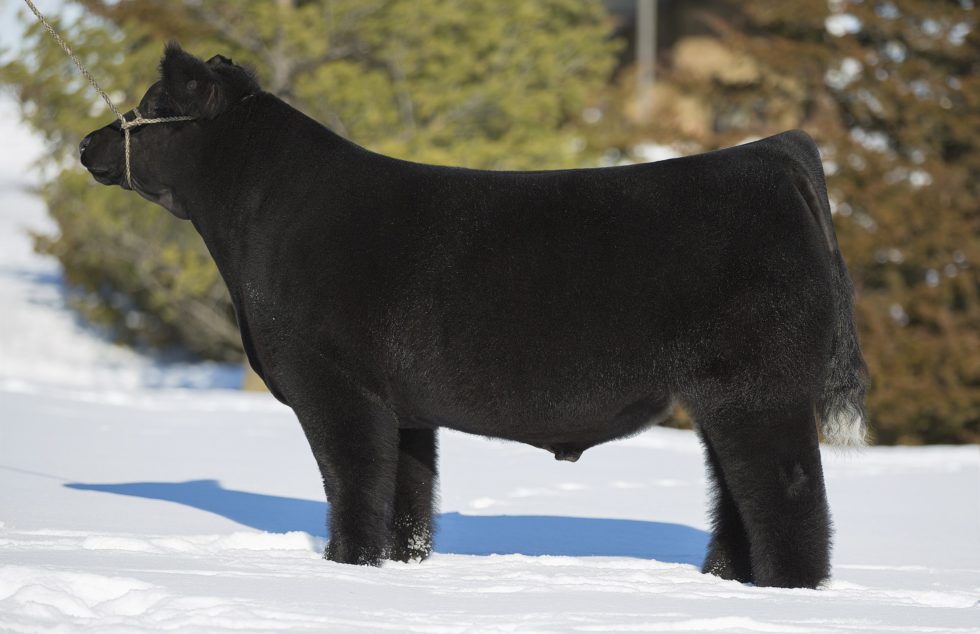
545,296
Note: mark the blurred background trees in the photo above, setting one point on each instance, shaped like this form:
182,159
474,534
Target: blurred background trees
890,89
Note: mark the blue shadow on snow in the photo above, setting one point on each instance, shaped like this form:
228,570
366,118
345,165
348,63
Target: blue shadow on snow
459,534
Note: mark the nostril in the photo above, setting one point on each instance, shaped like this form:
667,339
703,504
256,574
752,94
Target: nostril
84,144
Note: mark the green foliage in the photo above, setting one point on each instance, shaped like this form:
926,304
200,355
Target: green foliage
895,107
140,266
486,83
136,270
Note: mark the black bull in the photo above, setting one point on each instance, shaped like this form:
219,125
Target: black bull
383,299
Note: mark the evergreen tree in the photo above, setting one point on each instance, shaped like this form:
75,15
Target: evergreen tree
890,89
485,83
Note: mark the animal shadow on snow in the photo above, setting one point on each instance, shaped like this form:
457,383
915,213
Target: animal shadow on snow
456,533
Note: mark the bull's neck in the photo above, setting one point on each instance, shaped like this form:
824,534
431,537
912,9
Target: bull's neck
269,161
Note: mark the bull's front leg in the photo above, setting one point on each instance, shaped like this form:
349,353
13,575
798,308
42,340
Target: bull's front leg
414,495
354,439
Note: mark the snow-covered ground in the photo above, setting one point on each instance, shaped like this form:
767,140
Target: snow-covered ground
134,496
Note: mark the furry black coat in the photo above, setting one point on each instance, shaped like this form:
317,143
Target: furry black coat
383,299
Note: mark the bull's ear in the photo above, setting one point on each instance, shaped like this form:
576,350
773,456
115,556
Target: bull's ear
219,60
195,88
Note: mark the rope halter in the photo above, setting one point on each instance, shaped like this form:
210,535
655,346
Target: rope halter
135,122
137,119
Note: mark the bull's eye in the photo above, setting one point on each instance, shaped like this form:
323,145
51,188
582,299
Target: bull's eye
192,85
162,108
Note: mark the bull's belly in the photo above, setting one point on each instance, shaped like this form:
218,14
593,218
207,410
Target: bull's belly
562,430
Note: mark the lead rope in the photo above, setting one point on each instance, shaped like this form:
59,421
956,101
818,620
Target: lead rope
137,119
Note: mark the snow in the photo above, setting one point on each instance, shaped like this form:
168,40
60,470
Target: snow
136,496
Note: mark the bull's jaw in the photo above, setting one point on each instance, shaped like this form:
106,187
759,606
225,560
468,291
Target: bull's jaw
104,177
165,198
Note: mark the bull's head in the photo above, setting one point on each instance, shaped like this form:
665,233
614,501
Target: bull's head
161,154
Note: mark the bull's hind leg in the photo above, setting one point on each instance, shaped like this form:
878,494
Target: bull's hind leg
728,552
770,465
355,443
414,495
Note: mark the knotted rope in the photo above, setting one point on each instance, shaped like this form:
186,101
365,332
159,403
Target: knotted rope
125,124
137,121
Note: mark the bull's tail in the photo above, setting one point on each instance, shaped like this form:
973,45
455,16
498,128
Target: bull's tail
840,404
